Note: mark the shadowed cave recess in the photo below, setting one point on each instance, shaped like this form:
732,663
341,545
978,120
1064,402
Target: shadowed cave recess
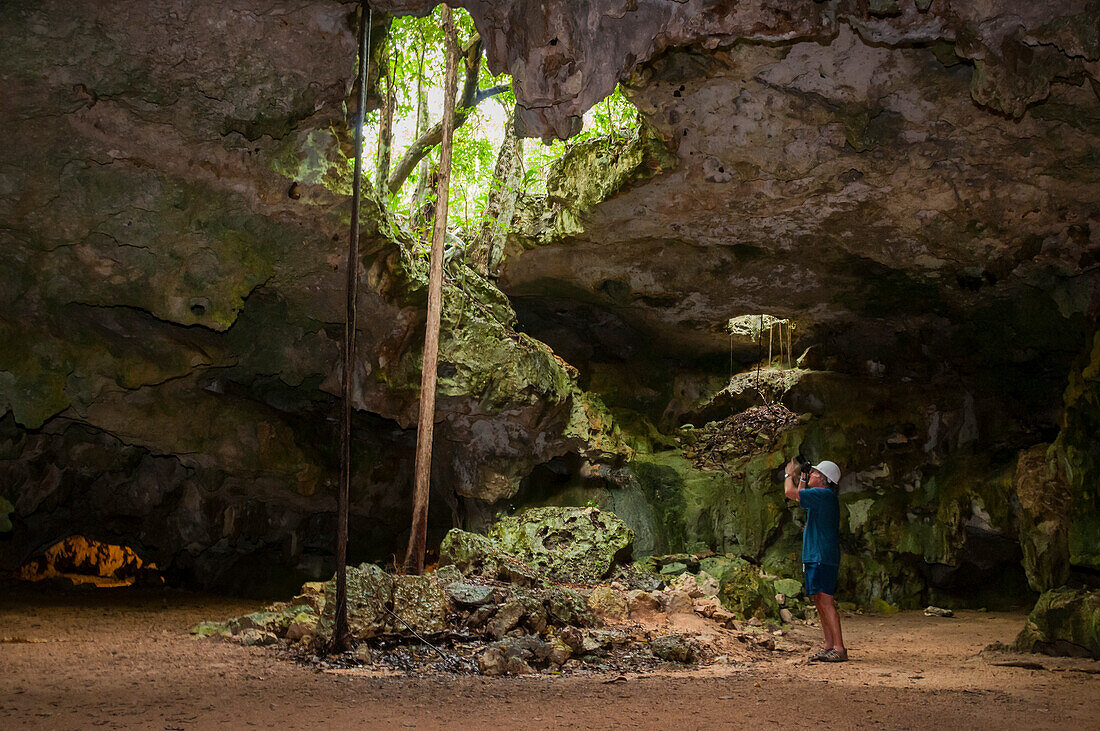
911,188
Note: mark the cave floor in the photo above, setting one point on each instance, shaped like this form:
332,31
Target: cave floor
124,658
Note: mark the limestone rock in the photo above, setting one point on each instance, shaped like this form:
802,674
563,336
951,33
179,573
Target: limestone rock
931,611
678,602
608,602
303,625
748,593
569,544
475,554
642,604
211,629
672,648
1063,622
419,604
369,601
1045,518
256,637
473,595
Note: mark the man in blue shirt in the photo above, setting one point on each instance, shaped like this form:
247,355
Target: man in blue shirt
816,491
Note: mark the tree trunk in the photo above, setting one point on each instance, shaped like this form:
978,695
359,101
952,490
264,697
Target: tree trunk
414,556
419,214
385,129
501,207
339,641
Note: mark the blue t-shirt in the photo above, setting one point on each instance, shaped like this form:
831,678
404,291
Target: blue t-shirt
821,538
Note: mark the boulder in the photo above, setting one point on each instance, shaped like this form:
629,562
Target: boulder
1063,622
211,629
273,620
419,604
476,555
642,603
257,637
788,587
609,603
569,544
507,617
747,592
514,655
678,602
472,595
672,648
303,625
572,637
568,606
370,593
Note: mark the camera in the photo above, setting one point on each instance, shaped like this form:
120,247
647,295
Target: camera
804,463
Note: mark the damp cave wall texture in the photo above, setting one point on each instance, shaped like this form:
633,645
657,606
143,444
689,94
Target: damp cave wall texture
914,184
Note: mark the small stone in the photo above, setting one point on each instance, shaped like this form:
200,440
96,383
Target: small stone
560,651
642,603
672,648
781,599
679,602
572,637
607,602
253,637
931,611
491,661
786,616
363,654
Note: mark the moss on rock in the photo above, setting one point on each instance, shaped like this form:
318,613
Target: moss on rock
569,544
1063,622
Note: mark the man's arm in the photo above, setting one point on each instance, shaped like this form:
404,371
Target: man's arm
793,472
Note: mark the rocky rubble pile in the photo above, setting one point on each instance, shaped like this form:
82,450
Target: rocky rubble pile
487,610
751,431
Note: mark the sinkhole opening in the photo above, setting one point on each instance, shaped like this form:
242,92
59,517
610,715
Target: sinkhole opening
83,561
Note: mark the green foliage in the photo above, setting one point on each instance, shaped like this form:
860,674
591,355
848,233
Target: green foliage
417,65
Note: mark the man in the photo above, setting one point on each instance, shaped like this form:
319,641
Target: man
816,492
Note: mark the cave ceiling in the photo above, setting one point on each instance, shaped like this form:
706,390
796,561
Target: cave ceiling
913,182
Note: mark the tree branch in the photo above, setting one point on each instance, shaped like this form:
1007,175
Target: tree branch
471,97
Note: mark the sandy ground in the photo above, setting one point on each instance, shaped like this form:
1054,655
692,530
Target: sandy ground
123,658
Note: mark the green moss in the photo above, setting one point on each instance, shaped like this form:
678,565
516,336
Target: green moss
1064,621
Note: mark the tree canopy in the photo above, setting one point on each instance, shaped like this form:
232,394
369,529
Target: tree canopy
404,155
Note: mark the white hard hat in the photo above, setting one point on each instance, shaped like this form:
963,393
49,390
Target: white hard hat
830,470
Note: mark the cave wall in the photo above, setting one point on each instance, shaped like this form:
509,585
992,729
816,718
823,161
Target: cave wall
914,184
176,197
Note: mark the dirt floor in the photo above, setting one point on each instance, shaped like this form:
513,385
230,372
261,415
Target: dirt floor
124,658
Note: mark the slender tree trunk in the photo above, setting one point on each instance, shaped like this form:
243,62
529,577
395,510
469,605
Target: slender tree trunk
501,207
385,129
414,556
340,630
418,215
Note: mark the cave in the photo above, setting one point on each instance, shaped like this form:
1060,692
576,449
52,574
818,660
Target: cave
879,219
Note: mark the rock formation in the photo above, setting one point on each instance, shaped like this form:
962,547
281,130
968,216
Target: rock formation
912,187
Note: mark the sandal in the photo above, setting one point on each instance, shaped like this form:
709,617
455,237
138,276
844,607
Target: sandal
834,655
818,656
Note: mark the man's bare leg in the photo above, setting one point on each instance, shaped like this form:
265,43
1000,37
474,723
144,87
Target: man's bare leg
830,621
825,626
